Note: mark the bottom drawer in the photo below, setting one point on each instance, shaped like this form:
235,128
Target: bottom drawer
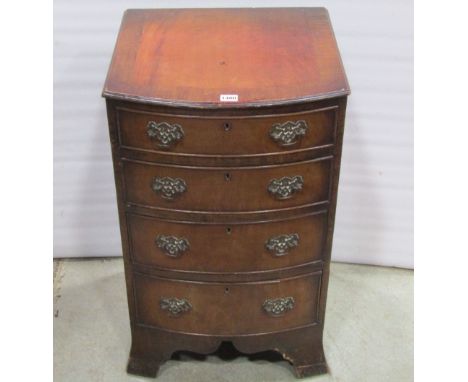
227,308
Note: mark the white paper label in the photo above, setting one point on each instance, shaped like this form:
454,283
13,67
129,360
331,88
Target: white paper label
229,98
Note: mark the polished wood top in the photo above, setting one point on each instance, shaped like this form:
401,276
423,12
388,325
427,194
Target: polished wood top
190,57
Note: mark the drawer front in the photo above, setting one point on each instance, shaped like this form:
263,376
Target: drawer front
226,247
226,135
227,189
220,309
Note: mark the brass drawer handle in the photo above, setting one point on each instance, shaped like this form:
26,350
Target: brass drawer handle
288,133
280,245
175,306
285,187
168,188
164,133
278,306
172,246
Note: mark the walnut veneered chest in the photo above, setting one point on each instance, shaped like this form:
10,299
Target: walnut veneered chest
226,128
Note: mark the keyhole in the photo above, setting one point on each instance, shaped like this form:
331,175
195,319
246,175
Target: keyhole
226,290
228,230
227,126
227,177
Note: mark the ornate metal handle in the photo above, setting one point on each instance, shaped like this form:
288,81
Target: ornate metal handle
171,245
285,187
288,133
164,133
279,245
168,188
278,306
175,306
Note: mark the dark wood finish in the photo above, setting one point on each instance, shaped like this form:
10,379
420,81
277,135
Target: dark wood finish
227,189
226,248
219,309
221,136
292,154
265,56
302,347
171,66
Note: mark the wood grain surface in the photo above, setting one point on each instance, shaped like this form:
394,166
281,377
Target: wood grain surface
192,56
227,189
232,136
226,248
220,309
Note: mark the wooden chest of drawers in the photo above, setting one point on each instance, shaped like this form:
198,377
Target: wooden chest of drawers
226,129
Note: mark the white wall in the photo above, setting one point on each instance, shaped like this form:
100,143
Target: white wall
374,222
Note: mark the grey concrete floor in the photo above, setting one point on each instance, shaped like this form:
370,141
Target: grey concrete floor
368,330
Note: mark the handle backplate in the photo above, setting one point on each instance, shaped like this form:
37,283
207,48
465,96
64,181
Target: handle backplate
168,188
164,133
288,133
172,246
278,306
175,306
280,245
286,187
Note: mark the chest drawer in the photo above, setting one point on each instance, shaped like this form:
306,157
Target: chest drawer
226,248
227,189
226,135
221,308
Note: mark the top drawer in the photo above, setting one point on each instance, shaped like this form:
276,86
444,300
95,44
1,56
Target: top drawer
233,136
